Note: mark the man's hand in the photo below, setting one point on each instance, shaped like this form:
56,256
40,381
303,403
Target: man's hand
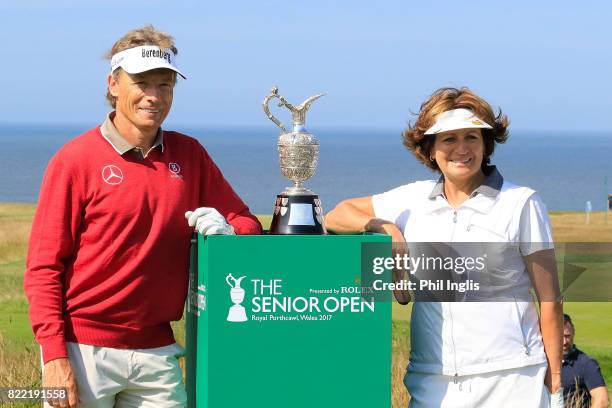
208,221
58,374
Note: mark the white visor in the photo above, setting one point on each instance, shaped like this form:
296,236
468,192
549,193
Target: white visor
457,119
144,58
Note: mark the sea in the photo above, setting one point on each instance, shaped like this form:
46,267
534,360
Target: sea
568,169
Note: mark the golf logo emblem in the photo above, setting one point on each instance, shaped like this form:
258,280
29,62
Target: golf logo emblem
236,311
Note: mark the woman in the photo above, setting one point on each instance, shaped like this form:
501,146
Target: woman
472,354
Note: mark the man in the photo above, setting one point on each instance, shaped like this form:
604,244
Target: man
107,263
580,374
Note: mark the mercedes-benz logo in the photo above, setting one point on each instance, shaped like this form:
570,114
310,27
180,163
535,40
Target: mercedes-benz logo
112,175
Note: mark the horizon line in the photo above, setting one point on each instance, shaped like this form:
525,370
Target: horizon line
262,127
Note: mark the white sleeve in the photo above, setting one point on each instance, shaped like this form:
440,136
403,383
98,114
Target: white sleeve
390,205
535,232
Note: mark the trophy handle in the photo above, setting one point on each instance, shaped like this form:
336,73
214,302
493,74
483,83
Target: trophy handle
227,278
274,94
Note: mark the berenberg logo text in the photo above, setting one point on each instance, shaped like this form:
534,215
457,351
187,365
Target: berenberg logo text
156,54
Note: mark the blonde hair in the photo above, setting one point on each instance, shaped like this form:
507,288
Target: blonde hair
445,99
147,35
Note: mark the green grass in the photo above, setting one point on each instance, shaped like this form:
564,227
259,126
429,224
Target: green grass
14,322
265,221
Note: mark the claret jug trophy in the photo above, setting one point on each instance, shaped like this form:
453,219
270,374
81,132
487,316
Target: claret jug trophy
297,210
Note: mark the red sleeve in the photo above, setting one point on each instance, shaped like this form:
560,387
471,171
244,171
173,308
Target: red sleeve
55,226
217,193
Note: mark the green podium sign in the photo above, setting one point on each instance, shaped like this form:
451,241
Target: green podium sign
280,321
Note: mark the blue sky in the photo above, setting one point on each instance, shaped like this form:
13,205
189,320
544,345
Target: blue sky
548,65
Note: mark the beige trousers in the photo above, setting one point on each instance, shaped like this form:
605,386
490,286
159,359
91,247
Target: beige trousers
121,378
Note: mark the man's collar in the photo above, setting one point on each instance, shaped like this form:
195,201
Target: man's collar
490,187
572,355
118,142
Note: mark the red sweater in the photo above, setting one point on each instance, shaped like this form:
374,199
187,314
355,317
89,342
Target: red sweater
109,249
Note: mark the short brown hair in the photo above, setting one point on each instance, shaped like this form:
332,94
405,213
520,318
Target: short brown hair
147,35
445,99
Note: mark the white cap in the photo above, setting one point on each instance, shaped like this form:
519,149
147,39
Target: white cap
144,58
457,119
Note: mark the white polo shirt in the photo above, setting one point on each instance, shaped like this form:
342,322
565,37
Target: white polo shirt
464,338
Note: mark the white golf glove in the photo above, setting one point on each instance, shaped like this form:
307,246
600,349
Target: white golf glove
556,399
208,221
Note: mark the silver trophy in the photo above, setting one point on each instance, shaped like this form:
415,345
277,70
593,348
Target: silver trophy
297,210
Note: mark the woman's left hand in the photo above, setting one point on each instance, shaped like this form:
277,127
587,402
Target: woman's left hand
552,381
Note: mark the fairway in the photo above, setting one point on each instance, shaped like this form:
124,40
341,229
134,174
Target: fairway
19,364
